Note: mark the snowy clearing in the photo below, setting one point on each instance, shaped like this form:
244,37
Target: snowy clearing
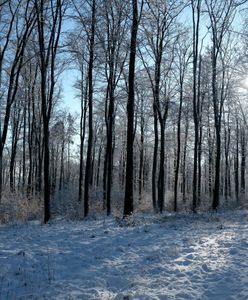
155,257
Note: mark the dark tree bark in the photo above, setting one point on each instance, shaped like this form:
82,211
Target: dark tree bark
84,104
154,161
99,161
88,167
236,163
161,178
243,162
128,201
184,173
196,11
217,115
141,150
227,134
200,103
24,142
31,129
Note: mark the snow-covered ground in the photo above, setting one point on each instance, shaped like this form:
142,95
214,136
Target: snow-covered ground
154,257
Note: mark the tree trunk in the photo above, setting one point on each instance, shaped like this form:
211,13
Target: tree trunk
236,164
199,166
217,113
109,148
128,202
154,163
141,156
216,194
82,136
88,168
196,23
161,189
24,144
227,166
178,151
1,172
243,163
184,160
99,163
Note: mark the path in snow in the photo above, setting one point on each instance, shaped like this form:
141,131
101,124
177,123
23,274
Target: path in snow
162,257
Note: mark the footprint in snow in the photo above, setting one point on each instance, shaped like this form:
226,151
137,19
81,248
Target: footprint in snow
205,268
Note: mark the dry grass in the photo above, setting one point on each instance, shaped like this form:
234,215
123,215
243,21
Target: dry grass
14,207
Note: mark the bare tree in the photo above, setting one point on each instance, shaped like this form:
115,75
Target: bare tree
20,34
182,61
49,20
221,16
196,13
111,39
158,28
128,201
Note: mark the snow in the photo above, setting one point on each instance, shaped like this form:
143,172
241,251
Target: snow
183,256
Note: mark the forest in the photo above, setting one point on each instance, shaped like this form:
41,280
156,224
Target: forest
162,125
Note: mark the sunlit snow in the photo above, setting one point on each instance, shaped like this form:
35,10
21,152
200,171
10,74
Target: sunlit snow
147,257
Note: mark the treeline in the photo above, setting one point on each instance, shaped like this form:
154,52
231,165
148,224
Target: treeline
162,87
